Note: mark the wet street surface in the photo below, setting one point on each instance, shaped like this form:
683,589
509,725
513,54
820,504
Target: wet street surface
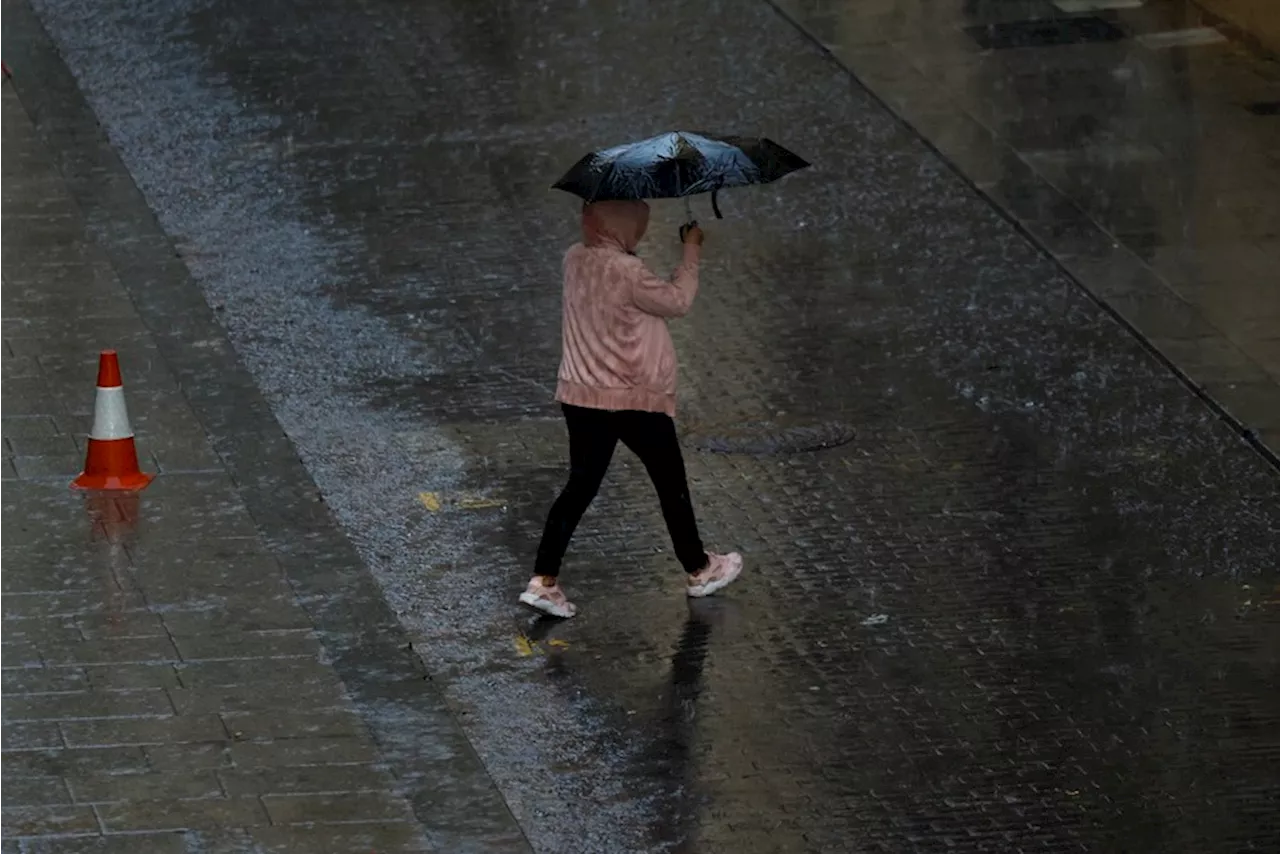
204,666
1012,584
1137,143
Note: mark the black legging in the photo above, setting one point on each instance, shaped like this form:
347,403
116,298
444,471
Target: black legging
593,435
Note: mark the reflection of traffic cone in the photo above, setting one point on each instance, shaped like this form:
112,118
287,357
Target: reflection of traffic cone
112,459
113,515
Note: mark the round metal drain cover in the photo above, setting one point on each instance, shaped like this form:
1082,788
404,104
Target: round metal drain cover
767,438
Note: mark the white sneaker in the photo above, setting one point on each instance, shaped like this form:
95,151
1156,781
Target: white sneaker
720,572
548,600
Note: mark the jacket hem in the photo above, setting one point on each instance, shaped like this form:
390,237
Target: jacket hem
615,399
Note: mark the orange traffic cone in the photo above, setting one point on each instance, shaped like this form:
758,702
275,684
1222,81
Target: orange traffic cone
112,459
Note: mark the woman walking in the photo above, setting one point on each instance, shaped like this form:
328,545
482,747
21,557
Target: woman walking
617,383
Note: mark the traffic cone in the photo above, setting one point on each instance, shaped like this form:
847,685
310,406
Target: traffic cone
112,459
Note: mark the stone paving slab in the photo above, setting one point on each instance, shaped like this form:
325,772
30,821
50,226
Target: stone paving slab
165,688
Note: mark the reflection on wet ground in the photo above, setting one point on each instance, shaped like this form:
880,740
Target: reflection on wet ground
1031,604
1133,139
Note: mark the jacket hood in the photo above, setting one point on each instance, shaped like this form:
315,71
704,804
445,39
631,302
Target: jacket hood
618,224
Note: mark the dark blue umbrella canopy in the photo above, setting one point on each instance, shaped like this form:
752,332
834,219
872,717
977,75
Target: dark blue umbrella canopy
677,165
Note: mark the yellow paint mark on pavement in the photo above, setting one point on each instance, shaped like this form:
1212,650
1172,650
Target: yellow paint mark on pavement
526,647
435,502
477,502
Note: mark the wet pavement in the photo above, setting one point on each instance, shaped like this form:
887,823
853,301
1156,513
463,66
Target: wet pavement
1136,142
1012,583
204,667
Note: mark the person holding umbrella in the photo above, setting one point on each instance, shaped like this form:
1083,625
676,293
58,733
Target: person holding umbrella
617,378
617,383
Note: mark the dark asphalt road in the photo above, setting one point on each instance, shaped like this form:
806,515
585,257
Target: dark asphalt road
1030,606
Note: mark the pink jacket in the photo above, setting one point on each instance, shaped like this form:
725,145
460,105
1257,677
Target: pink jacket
618,353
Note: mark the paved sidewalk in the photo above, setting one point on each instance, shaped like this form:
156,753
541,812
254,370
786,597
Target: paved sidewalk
168,687
1133,140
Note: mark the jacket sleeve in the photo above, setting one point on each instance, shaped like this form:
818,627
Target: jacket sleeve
667,297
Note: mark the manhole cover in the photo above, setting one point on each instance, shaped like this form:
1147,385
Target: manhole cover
766,438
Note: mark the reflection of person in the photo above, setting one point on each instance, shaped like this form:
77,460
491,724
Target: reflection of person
618,382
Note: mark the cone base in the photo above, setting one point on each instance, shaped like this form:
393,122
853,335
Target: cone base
112,464
128,482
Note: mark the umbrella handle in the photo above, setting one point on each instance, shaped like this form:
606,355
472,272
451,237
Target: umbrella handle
715,207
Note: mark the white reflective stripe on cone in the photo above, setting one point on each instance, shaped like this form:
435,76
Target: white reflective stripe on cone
110,418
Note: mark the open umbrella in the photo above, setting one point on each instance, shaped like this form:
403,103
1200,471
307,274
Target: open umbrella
678,165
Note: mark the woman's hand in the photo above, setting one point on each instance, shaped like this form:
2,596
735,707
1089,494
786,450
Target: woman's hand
691,233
